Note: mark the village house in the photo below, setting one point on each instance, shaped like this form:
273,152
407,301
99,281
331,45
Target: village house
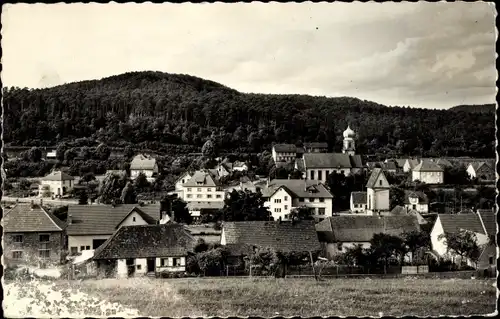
410,164
400,211
315,147
482,224
336,234
89,226
32,236
56,184
417,201
284,195
52,155
285,152
144,164
399,163
198,208
428,172
358,202
389,167
481,171
377,191
145,250
244,238
202,192
179,183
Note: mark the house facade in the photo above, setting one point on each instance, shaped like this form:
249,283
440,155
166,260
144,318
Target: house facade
143,249
32,236
143,164
339,233
358,202
285,152
377,192
284,196
428,172
202,187
410,164
56,184
417,201
316,147
481,171
89,226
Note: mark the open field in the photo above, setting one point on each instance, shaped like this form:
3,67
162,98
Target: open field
289,297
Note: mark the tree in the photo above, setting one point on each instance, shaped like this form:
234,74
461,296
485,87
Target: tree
128,195
83,198
456,175
141,183
102,152
88,177
302,213
397,197
245,206
462,243
201,246
181,212
128,152
34,154
416,240
70,154
24,184
387,246
111,188
208,149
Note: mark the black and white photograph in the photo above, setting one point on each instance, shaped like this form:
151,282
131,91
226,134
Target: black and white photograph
249,159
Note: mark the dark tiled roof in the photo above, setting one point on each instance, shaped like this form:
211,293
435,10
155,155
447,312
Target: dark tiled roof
401,211
298,188
283,236
454,223
205,205
358,197
22,218
356,161
356,228
103,219
203,177
285,148
58,176
428,166
376,172
412,162
489,220
389,166
443,162
400,162
327,160
316,145
147,241
143,162
422,198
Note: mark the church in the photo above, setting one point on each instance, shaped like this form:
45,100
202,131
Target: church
317,166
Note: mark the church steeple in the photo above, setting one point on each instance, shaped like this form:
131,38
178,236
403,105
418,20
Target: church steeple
349,146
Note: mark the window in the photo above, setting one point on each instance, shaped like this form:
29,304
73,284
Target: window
321,211
74,250
198,190
44,238
277,200
286,198
138,267
209,196
311,200
312,174
19,254
491,260
189,196
82,248
198,196
176,262
87,247
209,189
321,200
380,182
17,238
217,196
301,199
286,207
164,262
133,219
277,210
44,252
414,206
320,175
189,189
327,173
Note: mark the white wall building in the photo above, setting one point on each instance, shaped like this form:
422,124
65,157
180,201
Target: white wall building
417,201
56,184
144,164
284,152
358,202
377,190
428,172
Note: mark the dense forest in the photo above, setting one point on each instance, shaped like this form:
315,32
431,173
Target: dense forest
169,111
484,108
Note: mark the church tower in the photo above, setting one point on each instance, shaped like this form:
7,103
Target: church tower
349,146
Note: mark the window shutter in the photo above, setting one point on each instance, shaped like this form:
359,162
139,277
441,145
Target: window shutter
170,261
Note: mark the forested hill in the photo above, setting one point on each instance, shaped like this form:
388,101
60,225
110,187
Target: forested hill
154,109
484,108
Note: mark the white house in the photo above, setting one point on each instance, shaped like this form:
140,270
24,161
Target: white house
410,164
338,233
179,183
428,172
202,187
358,202
482,224
240,166
56,184
285,152
316,147
377,190
144,164
284,195
52,154
417,201
480,170
145,249
89,226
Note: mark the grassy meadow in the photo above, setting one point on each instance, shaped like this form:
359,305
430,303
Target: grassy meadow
294,297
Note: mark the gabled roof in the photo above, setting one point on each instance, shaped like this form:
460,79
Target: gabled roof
103,219
24,218
327,160
454,223
361,228
443,162
201,178
428,166
147,241
285,148
372,181
143,162
285,236
358,197
148,219
389,166
298,188
400,162
186,173
489,219
316,145
412,162
401,211
58,176
422,198
478,165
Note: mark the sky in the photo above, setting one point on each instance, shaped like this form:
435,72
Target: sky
430,55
